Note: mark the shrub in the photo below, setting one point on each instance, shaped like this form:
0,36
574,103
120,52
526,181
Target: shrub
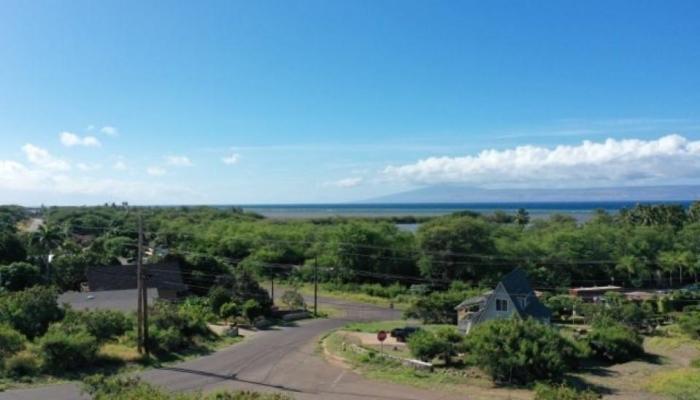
165,340
11,341
425,345
24,363
520,351
293,300
614,342
183,319
548,392
100,388
218,296
230,311
252,309
102,324
690,324
19,275
64,351
30,311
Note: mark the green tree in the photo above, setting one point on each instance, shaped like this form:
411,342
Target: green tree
452,248
522,217
11,248
30,311
18,276
520,351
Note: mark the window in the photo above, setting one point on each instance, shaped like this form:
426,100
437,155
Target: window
501,305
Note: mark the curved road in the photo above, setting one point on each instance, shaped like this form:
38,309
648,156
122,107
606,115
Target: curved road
281,360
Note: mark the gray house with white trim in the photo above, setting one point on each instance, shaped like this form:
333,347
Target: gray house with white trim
513,296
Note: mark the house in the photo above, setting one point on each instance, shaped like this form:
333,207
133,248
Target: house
592,294
512,297
165,277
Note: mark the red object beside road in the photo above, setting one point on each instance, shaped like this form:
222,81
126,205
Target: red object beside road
381,336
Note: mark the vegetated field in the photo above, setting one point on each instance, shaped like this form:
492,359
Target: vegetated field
670,369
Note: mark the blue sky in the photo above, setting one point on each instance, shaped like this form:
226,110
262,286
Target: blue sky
325,101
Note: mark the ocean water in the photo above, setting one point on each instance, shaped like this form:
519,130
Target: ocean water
579,210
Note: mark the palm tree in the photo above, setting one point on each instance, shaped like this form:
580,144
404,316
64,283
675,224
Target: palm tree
46,239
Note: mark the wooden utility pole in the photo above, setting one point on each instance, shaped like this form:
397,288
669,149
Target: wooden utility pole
139,288
316,286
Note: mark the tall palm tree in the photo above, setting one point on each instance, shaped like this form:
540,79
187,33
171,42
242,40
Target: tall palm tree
46,239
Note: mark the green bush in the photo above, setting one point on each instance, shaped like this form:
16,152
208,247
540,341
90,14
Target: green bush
19,275
293,300
30,311
100,388
614,342
102,324
425,345
519,351
252,309
548,392
11,341
230,311
165,340
218,296
64,350
24,363
690,324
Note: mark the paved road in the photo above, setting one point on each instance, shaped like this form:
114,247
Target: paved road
283,360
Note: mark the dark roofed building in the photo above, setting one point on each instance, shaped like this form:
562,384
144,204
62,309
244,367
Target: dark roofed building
117,300
512,296
166,277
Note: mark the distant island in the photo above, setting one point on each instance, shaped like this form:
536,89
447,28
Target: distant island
465,194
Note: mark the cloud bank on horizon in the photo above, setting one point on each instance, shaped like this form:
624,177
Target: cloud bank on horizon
616,161
41,176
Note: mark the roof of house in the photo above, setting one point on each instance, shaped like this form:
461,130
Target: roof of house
595,289
118,300
474,300
516,284
123,277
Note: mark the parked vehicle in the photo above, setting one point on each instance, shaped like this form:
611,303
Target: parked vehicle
402,334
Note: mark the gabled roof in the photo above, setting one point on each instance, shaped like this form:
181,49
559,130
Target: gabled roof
517,286
122,277
474,300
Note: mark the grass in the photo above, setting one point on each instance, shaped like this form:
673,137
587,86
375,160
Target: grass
118,357
307,289
681,384
672,338
465,381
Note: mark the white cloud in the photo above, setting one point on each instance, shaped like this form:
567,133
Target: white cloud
346,183
232,159
41,158
88,167
110,131
156,171
44,178
178,161
119,166
71,139
628,160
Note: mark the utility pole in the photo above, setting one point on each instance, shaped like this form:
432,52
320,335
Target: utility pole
139,288
316,286
272,287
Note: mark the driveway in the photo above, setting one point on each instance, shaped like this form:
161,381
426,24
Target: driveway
282,360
